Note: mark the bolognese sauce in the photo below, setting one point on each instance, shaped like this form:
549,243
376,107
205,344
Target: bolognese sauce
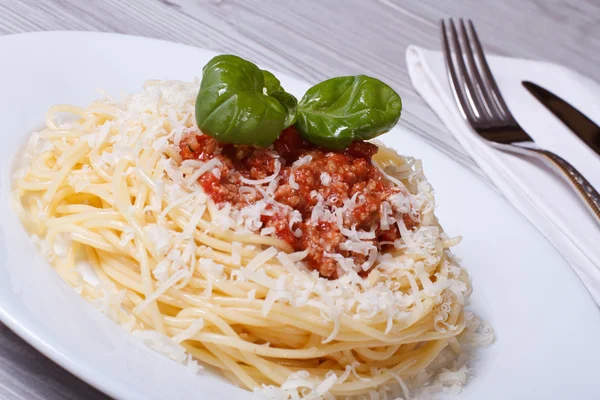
307,177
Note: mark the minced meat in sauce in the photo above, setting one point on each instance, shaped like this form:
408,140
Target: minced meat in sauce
345,174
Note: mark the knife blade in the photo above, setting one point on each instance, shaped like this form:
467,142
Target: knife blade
574,119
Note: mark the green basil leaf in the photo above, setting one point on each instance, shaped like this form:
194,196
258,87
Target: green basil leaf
272,84
288,101
338,111
290,104
232,107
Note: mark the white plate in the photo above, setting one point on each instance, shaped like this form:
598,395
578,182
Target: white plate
548,328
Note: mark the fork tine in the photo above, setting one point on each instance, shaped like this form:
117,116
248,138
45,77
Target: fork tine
464,76
479,88
491,85
460,97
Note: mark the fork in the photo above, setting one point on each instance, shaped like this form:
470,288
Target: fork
482,106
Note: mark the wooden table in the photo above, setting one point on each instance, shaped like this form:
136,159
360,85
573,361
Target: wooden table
311,40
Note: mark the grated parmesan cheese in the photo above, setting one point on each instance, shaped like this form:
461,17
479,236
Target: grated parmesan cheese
236,253
268,179
210,165
295,165
162,288
325,179
159,237
261,258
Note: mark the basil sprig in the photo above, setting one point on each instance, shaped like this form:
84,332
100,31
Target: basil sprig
234,106
239,103
338,111
289,102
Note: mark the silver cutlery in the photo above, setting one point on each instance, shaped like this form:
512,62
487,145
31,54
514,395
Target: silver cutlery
482,106
575,120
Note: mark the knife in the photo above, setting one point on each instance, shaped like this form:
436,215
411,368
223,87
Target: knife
581,125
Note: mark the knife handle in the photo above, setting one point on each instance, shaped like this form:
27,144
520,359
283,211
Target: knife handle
585,189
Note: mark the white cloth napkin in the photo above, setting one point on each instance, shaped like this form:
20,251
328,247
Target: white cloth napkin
536,191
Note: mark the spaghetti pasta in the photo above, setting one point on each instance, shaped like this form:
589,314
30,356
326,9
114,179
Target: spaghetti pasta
110,187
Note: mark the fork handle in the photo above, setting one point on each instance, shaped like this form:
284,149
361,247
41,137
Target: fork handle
584,189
